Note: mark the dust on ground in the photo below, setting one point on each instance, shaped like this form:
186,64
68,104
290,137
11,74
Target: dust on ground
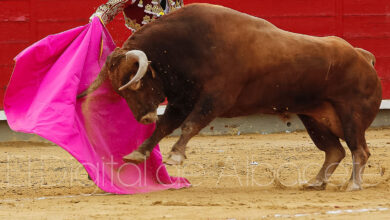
233,177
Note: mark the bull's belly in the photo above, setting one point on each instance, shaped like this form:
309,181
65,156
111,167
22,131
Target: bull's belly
242,111
273,104
323,112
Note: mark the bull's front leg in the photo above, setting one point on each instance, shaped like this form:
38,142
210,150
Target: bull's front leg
166,124
189,129
204,112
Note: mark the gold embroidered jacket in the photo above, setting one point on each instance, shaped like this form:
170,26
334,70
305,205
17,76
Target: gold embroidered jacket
136,12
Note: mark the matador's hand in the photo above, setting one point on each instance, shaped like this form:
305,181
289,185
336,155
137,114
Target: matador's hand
96,14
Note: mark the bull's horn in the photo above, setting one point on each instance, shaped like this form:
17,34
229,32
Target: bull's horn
142,59
97,83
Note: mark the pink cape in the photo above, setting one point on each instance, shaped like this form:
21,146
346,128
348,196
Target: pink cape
97,130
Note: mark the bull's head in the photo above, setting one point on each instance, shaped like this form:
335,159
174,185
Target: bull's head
135,80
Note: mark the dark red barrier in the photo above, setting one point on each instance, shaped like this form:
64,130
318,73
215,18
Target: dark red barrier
364,23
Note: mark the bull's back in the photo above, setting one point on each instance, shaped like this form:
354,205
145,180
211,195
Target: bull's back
231,40
220,46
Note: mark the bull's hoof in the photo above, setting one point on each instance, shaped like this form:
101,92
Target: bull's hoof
174,158
314,185
135,157
352,186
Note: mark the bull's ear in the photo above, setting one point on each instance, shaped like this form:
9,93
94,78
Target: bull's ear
136,85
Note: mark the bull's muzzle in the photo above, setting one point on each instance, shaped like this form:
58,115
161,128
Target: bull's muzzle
149,118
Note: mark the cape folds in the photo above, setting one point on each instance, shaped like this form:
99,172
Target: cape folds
98,130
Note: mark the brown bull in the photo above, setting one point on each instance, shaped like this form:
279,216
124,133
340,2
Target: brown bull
210,61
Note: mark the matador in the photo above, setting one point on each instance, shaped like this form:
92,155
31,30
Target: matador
136,12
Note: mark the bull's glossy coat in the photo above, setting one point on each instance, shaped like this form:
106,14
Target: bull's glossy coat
211,61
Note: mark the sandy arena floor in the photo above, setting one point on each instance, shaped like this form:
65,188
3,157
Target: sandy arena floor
233,177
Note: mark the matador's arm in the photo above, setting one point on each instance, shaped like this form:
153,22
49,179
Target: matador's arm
108,11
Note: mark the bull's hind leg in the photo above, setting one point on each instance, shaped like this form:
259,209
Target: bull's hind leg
354,124
360,155
326,141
